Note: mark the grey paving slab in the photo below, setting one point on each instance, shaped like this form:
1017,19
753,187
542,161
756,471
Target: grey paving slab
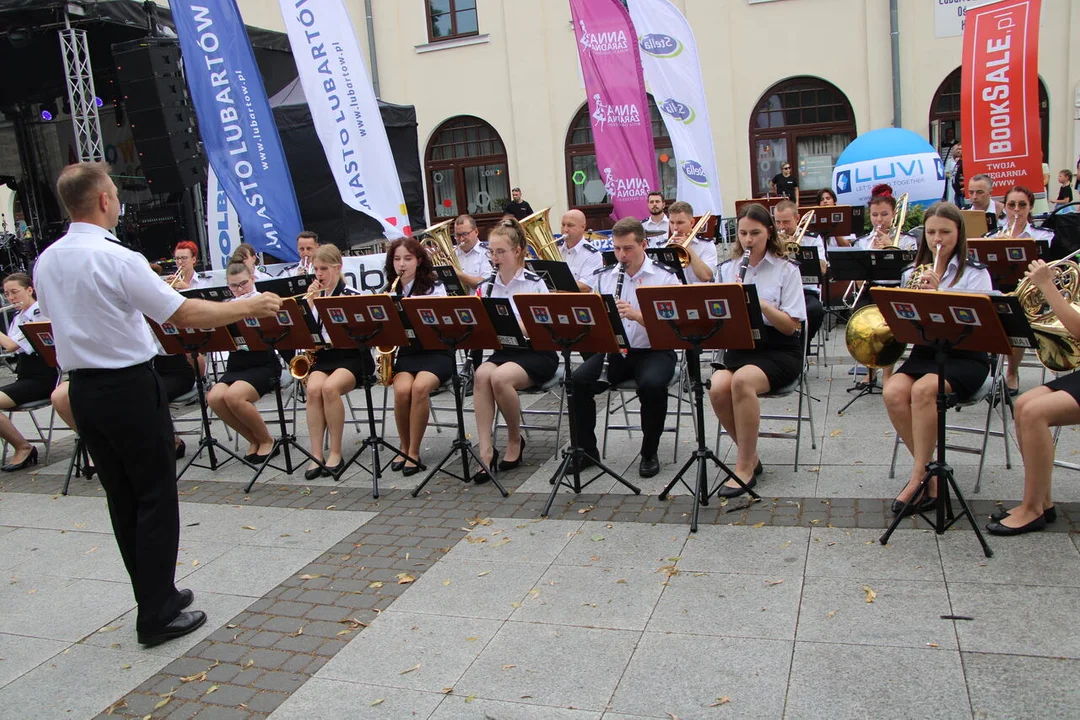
537,541
44,606
1058,560
20,654
249,570
92,678
1017,620
862,480
618,598
682,675
388,652
856,553
455,707
1014,686
309,529
192,555
623,544
227,523
904,613
68,554
56,512
556,666
852,681
735,549
324,699
471,588
749,606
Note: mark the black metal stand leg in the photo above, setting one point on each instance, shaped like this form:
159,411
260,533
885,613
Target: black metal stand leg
79,465
282,443
373,442
207,441
572,454
870,387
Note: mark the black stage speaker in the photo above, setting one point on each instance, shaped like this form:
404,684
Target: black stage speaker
158,109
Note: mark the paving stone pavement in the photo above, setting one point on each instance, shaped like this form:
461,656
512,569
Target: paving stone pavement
324,602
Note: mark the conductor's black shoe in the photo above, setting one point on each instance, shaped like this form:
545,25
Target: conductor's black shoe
186,598
312,473
996,528
1050,514
183,624
729,491
181,450
31,459
649,466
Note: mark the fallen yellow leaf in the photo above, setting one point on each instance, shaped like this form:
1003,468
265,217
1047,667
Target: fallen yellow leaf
870,594
758,525
247,527
834,433
212,688
721,701
380,701
414,668
404,578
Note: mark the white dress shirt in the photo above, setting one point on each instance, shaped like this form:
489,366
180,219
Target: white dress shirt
906,242
706,250
654,226
976,277
778,283
96,293
30,314
474,262
524,281
584,259
650,273
437,290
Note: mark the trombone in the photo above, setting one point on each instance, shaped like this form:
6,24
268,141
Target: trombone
792,243
893,240
680,244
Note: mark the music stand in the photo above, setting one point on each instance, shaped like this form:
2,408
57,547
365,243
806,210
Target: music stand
769,203
555,274
363,322
690,318
568,323
942,321
809,265
976,223
450,280
177,340
455,323
1006,259
287,330
829,220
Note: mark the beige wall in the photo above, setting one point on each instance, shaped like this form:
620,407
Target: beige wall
525,80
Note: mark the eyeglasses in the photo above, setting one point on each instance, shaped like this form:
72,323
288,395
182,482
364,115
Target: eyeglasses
1014,204
463,235
498,253
239,286
180,258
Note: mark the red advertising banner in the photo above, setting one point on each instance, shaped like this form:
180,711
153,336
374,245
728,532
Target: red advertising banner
999,95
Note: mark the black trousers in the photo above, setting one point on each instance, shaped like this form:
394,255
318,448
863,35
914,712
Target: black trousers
651,369
123,418
815,315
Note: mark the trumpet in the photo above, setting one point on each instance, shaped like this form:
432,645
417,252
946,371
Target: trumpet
681,244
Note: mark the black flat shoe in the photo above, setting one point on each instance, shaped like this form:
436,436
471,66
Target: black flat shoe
186,598
312,473
334,470
183,624
250,457
30,459
996,528
397,465
511,464
728,491
925,505
1050,514
257,459
181,450
649,467
758,470
413,469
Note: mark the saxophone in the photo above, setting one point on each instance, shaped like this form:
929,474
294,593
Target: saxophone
385,355
300,366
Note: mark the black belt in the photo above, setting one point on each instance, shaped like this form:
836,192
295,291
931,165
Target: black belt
96,372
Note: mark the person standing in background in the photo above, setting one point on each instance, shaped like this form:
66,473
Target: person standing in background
786,183
517,207
1065,193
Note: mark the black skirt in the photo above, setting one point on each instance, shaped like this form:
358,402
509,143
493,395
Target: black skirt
965,370
176,374
258,368
34,380
358,362
1067,383
777,355
439,363
540,365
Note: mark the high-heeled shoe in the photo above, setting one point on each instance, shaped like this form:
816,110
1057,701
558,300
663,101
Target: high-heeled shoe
1049,513
181,450
29,460
482,476
927,504
511,464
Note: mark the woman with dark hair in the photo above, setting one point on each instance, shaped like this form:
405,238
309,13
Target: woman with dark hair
911,393
506,371
827,198
245,253
417,372
34,379
777,358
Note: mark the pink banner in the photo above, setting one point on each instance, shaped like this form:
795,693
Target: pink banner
618,107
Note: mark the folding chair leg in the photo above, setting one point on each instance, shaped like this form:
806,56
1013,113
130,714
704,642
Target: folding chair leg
895,450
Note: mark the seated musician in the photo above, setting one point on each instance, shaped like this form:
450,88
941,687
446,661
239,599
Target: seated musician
777,359
506,371
1054,404
827,198
34,379
306,242
249,374
581,255
787,220
1019,202
702,251
335,373
185,254
652,370
911,393
417,372
471,253
246,254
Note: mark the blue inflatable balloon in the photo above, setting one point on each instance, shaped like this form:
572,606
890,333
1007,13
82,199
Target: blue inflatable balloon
899,157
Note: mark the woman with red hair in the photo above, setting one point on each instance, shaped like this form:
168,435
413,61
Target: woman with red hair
185,254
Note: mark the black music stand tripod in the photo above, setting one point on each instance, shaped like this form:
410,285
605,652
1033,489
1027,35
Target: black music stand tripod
207,442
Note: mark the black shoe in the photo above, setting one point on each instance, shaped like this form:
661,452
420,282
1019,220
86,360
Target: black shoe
312,473
648,467
729,491
467,390
511,464
759,469
586,461
480,477
413,469
1050,514
925,505
257,459
184,623
31,459
996,528
397,465
334,471
250,457
181,449
186,598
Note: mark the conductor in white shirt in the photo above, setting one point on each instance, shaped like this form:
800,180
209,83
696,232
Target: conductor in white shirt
96,293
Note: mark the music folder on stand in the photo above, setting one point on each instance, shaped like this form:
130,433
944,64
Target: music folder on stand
363,322
176,340
289,329
568,322
1006,259
943,321
691,318
456,323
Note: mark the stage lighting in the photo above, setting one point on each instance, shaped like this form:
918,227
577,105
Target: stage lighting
49,111
98,101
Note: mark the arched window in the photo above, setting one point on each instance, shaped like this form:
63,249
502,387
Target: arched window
584,188
805,121
466,170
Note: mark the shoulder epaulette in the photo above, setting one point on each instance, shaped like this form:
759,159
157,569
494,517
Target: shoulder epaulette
606,268
589,246
349,291
976,264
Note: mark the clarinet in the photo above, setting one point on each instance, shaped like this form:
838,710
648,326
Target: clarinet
618,296
743,265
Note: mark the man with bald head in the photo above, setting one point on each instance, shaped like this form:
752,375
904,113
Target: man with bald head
582,256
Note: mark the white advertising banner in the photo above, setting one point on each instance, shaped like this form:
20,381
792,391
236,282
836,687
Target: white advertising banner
669,59
222,223
345,111
361,272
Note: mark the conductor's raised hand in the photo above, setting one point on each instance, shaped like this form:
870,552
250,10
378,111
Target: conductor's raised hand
264,305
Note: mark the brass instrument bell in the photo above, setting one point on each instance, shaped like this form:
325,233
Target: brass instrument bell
540,240
680,244
438,241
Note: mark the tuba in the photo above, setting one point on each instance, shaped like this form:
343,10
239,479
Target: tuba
680,244
385,354
793,243
1055,346
438,240
541,243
